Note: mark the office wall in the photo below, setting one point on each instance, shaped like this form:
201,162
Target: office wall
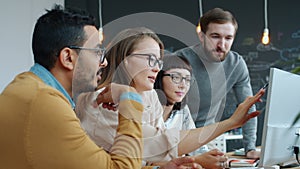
283,23
17,23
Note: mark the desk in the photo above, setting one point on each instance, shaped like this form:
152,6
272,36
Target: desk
231,155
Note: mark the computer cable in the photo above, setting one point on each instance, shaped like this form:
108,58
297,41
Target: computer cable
296,152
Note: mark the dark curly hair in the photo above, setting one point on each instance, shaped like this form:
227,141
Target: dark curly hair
57,29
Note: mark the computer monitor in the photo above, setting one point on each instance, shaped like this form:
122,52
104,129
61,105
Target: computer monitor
282,107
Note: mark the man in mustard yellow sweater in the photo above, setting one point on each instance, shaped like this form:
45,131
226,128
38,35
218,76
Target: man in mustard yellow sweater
38,125
39,129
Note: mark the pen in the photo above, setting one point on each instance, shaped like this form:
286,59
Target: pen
257,160
266,85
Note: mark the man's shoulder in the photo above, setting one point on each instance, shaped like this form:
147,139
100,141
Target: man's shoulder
235,55
32,87
190,52
188,49
28,89
234,58
26,84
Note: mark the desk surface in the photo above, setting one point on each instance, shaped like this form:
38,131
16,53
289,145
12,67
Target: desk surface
231,155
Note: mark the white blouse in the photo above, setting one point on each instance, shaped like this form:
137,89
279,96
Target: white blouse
160,144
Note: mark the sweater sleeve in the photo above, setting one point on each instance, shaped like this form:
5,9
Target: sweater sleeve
101,125
242,90
127,148
55,139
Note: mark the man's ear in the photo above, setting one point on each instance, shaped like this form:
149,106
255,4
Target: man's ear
67,58
201,36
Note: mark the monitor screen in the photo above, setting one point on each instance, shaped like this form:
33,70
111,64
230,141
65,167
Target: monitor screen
282,107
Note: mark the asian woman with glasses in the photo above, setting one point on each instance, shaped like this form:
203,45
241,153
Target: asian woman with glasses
134,58
172,84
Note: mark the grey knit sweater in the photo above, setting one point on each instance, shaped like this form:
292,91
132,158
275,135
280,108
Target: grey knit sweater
209,98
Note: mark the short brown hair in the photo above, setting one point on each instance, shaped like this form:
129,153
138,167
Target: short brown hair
217,15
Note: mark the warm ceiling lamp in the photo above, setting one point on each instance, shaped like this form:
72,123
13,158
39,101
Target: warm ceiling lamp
101,36
266,38
198,28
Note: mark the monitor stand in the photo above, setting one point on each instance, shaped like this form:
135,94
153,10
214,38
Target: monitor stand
289,164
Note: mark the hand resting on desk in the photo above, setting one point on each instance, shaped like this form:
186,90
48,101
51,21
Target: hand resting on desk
213,159
253,154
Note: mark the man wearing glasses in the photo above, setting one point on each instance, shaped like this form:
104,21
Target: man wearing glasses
36,109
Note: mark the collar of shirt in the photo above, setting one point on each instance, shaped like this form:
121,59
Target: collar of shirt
50,80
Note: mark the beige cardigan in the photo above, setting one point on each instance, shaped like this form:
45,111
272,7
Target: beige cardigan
160,144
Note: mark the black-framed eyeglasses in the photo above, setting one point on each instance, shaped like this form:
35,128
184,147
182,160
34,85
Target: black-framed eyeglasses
153,61
178,78
100,52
